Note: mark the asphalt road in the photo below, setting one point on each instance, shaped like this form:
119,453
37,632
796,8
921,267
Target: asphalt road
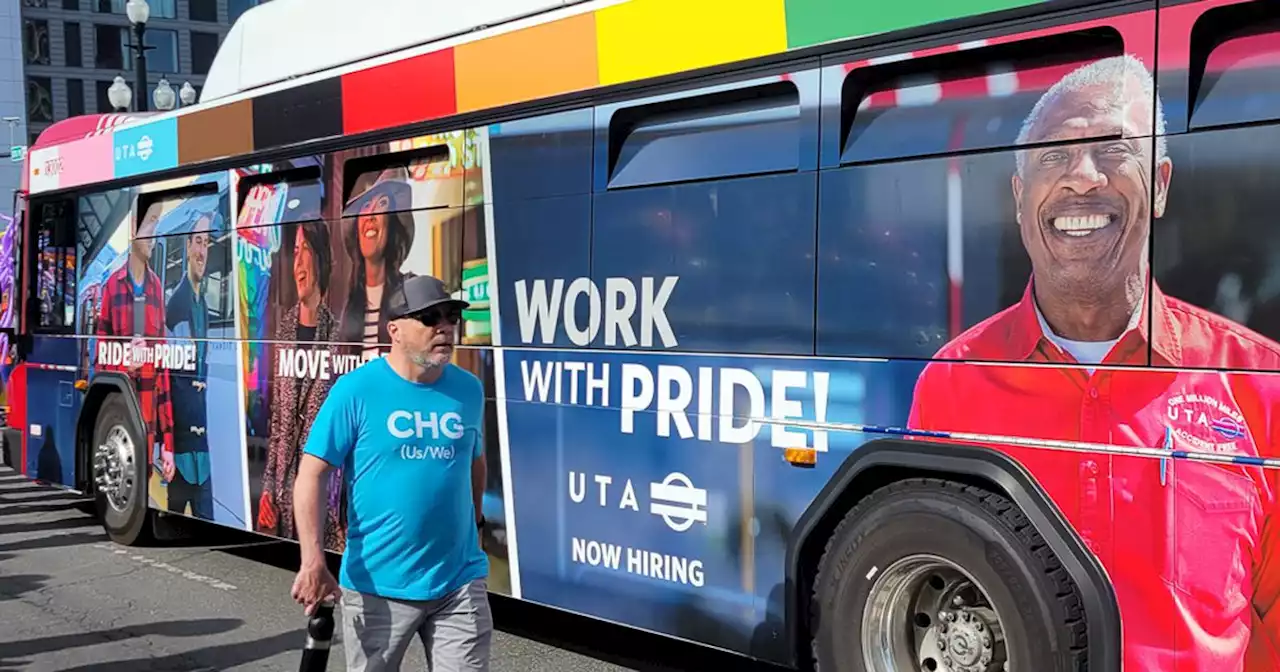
70,600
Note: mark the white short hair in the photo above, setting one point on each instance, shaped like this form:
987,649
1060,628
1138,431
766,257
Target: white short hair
1114,70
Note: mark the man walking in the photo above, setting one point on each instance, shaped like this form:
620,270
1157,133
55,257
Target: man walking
406,428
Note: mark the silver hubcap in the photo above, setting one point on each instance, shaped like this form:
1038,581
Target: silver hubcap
926,614
113,468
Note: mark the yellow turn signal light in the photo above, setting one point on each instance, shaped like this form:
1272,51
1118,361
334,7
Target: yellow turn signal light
801,457
82,385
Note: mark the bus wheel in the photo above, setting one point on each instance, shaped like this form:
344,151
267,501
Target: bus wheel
936,576
120,474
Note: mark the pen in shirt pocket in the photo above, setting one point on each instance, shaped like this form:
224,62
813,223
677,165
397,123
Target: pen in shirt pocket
1164,461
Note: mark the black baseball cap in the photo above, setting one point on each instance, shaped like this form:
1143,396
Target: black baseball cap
420,293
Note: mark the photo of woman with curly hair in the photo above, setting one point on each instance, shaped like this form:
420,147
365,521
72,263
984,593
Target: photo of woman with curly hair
295,401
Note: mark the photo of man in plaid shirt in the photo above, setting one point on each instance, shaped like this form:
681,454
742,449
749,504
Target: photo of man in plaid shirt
132,304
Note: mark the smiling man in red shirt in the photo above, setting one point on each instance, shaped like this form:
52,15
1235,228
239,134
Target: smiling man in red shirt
1190,547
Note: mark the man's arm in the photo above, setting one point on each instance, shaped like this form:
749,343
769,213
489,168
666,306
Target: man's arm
479,469
329,441
309,505
164,400
479,473
105,299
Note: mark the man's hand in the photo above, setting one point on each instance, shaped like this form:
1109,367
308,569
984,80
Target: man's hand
166,465
313,585
137,347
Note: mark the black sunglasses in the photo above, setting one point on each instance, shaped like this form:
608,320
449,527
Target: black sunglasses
433,316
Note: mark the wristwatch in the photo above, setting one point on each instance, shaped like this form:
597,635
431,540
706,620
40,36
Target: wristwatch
480,523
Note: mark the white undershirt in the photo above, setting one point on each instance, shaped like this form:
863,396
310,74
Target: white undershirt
1085,352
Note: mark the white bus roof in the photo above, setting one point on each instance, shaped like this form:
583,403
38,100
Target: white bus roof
283,39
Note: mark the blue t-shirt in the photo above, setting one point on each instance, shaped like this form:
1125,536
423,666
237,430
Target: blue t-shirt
407,448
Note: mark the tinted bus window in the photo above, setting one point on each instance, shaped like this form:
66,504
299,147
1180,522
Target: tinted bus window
974,98
1239,79
1216,246
275,198
55,265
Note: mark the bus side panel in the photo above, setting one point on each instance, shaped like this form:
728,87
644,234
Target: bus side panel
52,404
678,522
17,418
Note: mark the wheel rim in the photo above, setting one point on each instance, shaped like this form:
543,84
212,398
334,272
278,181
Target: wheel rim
926,614
113,468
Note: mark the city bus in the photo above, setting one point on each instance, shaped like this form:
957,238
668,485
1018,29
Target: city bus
984,377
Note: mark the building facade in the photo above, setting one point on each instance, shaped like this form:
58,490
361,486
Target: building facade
72,50
12,100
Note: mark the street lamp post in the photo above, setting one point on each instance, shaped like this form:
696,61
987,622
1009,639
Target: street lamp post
138,12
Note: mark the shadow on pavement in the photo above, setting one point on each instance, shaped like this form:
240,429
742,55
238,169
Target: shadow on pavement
8,509
48,525
54,541
191,628
15,585
28,487
220,657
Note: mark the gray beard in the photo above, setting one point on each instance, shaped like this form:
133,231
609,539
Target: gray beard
425,362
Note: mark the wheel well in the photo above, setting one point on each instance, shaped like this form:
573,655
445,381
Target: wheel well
809,550
85,422
884,461
103,386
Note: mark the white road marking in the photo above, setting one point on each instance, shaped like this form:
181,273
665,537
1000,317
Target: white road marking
150,562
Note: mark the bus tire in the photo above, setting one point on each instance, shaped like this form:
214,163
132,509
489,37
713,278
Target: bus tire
932,574
118,460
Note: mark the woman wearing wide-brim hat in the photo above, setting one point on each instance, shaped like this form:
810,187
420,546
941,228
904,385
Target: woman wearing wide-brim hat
377,233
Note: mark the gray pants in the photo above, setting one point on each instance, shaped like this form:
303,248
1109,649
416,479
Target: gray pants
455,630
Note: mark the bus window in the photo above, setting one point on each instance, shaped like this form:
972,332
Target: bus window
365,179
749,130
957,100
1236,65
54,265
294,195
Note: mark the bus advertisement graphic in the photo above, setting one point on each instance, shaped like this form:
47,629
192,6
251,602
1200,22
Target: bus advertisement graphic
161,309
316,275
1045,246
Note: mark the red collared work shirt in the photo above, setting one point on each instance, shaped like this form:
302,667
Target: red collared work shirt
1192,556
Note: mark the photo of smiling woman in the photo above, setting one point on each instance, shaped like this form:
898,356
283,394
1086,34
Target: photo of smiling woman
296,400
378,232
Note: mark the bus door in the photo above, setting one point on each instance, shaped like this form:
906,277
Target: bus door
49,340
